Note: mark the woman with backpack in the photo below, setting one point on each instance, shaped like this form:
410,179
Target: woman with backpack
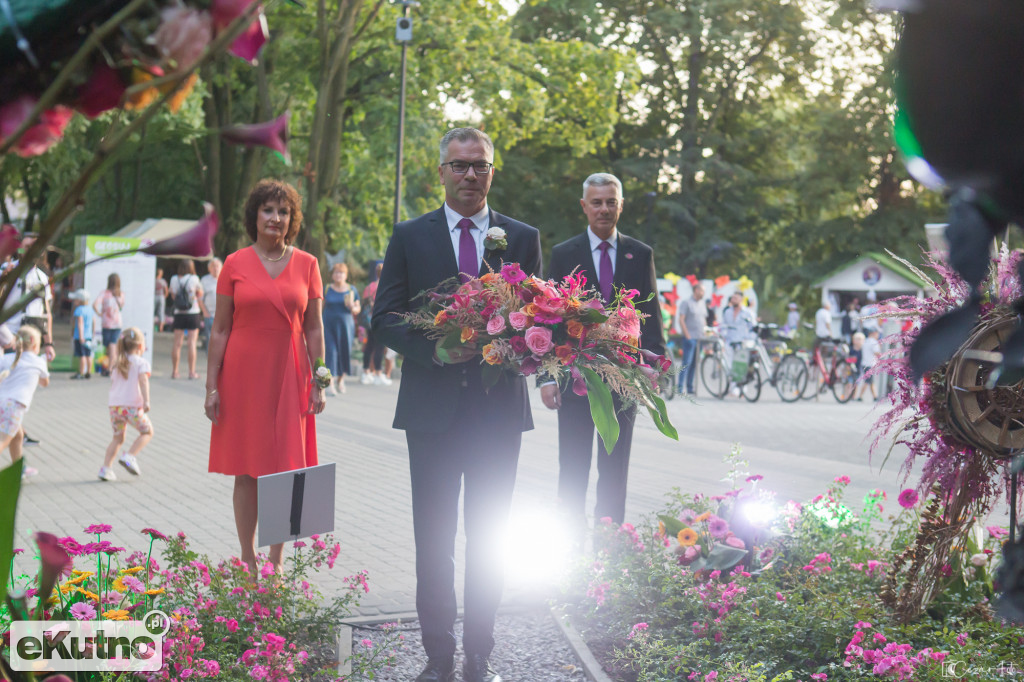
189,311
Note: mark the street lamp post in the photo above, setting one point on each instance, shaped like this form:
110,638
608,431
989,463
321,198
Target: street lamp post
403,35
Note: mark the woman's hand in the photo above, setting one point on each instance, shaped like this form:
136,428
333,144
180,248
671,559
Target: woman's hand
317,400
212,406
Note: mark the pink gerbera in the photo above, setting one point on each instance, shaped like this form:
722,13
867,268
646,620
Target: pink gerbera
97,529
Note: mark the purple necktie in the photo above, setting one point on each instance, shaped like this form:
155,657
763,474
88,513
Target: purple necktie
469,265
604,275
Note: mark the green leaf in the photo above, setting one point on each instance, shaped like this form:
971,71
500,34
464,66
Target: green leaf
602,409
660,417
489,375
592,316
672,524
10,481
723,557
452,340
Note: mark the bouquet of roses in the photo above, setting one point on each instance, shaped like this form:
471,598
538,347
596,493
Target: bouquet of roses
561,330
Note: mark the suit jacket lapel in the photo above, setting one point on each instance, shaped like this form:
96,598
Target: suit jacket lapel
585,257
439,238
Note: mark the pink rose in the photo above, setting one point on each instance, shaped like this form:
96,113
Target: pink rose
550,305
734,541
496,325
538,340
518,344
183,34
518,320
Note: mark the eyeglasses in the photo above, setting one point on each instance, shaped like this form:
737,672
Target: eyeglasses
462,167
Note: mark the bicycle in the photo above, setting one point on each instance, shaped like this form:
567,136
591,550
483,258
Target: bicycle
841,376
785,370
667,381
717,377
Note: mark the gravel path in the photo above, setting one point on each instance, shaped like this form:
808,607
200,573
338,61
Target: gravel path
529,648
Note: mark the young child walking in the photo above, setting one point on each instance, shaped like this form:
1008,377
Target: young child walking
129,403
21,372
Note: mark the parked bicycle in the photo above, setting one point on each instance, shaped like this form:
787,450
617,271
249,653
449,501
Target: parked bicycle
718,376
837,372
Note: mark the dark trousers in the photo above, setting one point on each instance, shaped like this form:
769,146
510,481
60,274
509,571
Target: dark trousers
438,464
575,450
373,353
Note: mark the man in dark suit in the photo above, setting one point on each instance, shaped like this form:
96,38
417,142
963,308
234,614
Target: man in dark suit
455,429
609,260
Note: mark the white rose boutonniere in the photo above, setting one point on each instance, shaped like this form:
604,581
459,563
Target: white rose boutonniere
321,374
495,240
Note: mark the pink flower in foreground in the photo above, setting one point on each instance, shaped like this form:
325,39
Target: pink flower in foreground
538,340
512,273
133,584
231,625
98,528
518,320
997,532
271,134
843,479
908,498
38,137
83,611
247,45
518,344
197,241
183,34
333,555
734,541
496,325
780,597
861,625
10,240
102,92
154,534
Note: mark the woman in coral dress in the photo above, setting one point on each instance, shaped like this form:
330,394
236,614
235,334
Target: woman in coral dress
267,332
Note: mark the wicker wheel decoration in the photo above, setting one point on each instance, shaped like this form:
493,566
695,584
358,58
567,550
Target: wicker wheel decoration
989,419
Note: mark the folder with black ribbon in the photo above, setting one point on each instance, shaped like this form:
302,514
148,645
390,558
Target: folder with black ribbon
295,504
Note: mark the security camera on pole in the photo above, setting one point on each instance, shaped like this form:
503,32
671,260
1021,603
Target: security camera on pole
403,35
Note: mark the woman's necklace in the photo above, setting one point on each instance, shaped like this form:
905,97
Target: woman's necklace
273,260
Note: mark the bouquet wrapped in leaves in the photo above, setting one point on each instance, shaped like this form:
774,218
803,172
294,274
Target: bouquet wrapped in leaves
562,330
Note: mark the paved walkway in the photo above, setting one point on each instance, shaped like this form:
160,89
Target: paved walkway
798,448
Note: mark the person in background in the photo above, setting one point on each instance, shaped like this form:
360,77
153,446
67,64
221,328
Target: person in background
691,316
792,325
21,372
850,322
869,355
823,324
341,306
160,299
108,306
189,310
373,350
209,282
869,314
39,311
128,403
82,321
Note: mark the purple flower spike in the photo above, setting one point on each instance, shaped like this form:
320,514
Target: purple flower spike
196,242
270,134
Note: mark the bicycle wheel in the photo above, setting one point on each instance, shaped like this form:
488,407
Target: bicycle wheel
843,382
751,388
714,376
791,378
814,382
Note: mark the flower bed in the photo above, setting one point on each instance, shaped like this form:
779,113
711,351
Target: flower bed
795,597
225,622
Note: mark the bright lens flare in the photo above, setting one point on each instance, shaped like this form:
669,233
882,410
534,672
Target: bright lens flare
537,548
759,514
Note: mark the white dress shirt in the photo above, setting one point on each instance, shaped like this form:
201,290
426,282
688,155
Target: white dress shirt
595,251
481,221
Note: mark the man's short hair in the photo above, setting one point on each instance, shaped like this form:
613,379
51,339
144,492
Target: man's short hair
465,135
601,180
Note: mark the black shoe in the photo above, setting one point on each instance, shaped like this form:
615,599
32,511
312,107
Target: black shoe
30,441
438,670
476,668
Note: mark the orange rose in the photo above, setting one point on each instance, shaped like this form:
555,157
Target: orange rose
440,318
564,352
575,329
469,335
573,304
491,356
491,278
530,309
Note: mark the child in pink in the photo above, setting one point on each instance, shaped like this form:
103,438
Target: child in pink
129,403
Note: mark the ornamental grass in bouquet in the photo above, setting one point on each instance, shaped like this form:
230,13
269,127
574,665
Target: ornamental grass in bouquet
561,330
801,603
